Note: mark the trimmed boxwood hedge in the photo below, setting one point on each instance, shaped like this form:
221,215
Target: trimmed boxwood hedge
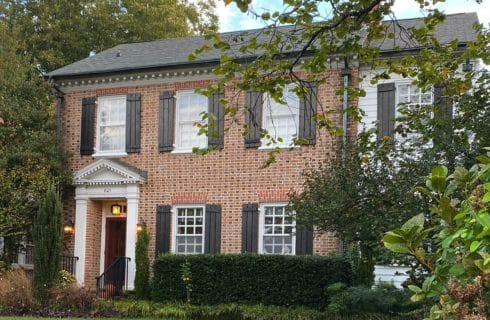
249,278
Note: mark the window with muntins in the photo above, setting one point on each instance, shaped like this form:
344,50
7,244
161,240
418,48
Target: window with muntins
277,230
189,231
412,97
281,120
190,109
111,124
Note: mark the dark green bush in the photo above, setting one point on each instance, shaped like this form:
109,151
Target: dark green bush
384,298
269,280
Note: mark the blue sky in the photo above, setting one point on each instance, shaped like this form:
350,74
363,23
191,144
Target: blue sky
232,19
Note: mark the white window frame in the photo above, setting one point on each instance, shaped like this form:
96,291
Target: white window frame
177,147
262,207
109,153
174,229
398,84
267,102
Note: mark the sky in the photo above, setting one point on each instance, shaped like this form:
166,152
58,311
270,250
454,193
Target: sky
232,19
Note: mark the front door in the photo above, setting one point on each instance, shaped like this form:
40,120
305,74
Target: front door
115,240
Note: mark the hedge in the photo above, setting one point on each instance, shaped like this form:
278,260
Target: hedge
249,278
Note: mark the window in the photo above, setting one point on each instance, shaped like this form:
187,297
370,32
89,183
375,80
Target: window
411,97
281,120
277,228
190,108
111,124
189,230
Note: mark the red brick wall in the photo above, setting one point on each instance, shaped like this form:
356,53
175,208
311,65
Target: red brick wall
230,177
92,243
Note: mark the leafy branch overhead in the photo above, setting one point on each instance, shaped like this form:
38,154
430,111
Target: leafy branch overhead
316,40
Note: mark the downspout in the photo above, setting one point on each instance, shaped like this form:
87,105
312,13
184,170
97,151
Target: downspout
346,73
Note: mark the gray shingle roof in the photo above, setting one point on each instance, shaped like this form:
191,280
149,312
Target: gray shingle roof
175,52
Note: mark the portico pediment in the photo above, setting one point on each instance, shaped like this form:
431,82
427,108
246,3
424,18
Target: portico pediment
108,172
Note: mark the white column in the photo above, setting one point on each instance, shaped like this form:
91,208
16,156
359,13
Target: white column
131,222
80,235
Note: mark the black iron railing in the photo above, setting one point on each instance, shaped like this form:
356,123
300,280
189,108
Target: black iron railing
114,281
69,263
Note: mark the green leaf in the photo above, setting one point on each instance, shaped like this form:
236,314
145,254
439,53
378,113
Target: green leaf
414,288
474,245
416,221
457,270
483,218
438,178
486,197
395,243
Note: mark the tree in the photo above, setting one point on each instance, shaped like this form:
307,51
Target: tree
359,198
458,224
47,238
57,33
141,282
30,158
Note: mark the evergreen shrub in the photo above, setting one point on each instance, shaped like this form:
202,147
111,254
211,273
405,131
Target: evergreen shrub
248,278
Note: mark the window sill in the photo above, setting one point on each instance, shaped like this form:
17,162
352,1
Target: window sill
182,151
110,155
270,148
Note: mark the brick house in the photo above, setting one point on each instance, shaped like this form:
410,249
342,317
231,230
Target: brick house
126,120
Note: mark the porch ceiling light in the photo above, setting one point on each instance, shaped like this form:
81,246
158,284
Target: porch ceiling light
116,209
69,228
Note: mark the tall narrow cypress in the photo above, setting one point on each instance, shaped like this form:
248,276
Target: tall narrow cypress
47,238
141,282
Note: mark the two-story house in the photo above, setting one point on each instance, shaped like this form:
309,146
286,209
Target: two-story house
126,119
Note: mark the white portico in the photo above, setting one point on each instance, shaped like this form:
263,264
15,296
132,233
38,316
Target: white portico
104,180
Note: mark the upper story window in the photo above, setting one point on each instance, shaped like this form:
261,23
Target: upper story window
281,120
190,107
412,97
111,124
189,229
277,230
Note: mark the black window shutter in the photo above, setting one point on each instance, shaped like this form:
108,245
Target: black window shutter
133,122
443,115
163,230
253,118
304,240
216,121
307,111
386,110
166,122
88,126
250,227
212,229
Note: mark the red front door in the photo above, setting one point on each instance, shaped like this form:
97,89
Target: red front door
115,240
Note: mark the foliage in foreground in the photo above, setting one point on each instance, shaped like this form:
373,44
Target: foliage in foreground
459,257
248,278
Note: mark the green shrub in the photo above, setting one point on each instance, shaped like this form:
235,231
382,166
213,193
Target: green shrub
142,279
384,298
149,309
270,280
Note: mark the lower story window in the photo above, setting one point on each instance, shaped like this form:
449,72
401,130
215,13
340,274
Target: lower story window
277,230
189,232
